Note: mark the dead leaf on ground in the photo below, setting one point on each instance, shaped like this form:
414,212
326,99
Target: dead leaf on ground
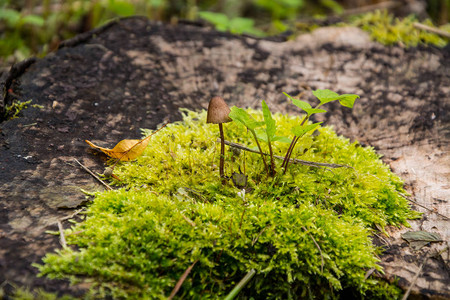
418,239
126,150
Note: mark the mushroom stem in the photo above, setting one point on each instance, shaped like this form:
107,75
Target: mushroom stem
222,152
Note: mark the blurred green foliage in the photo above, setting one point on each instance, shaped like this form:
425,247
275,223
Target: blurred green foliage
388,30
36,27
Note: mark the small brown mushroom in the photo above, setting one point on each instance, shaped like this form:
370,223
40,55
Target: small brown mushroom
218,112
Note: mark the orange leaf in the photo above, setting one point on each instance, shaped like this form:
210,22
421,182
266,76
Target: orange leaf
125,150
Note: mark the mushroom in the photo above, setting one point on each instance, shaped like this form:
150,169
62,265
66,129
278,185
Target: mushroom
218,112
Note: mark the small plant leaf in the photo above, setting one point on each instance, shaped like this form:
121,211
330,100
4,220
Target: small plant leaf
33,20
301,130
262,135
281,139
418,239
11,16
326,96
305,106
219,20
348,100
271,128
241,116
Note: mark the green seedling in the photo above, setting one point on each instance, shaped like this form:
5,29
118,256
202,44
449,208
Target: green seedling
241,116
269,134
324,96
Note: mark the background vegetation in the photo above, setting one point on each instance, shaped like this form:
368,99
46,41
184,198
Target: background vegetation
31,27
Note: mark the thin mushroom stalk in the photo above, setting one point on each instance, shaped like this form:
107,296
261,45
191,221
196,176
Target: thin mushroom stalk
222,152
218,112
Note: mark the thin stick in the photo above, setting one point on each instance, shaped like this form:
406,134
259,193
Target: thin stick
181,280
272,163
294,160
413,282
192,223
423,206
260,152
72,215
290,154
318,247
432,30
95,176
256,239
240,285
288,151
61,235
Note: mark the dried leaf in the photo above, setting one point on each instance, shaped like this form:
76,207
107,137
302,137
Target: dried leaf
418,239
125,150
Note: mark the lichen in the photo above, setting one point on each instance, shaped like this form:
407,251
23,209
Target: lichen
306,233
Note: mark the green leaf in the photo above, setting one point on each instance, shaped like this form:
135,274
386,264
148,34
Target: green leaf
301,130
326,96
271,128
240,25
11,16
121,8
305,106
241,116
281,139
302,104
348,100
220,21
33,20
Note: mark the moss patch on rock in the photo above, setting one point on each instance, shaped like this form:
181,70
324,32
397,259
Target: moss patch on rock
306,233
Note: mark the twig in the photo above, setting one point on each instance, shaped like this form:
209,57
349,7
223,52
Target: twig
295,161
240,285
95,176
432,30
192,223
256,239
181,280
413,282
423,206
318,247
61,235
72,215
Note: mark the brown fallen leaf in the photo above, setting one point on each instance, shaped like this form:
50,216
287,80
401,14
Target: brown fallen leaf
126,150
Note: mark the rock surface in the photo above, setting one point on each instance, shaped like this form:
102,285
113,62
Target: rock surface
107,84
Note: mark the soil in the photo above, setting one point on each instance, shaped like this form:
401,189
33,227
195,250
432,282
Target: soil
107,84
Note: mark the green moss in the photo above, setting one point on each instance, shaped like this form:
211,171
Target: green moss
172,210
13,110
387,30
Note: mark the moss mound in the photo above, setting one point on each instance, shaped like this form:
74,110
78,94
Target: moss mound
306,233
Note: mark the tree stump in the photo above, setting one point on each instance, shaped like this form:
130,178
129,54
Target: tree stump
108,83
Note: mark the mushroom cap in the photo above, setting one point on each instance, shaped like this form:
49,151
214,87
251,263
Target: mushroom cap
218,111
